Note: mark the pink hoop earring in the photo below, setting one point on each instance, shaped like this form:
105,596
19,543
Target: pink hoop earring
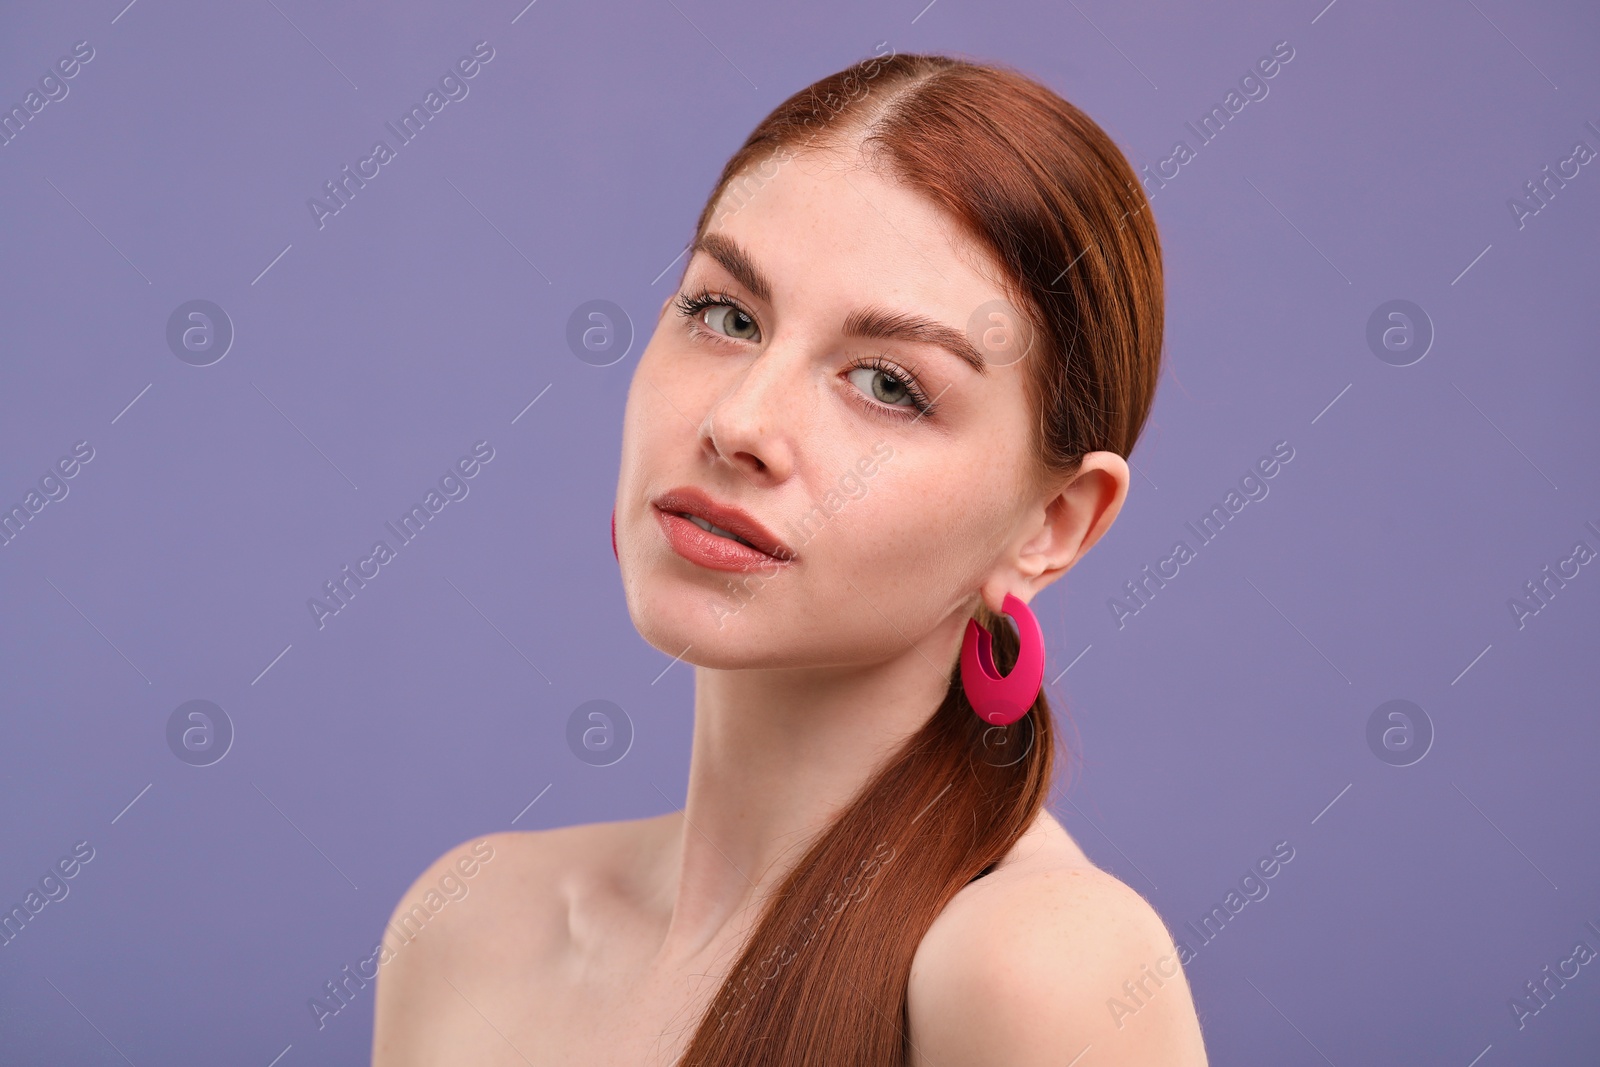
614,534
1002,701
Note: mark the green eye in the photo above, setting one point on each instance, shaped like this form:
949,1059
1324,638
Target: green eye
729,320
883,386
722,316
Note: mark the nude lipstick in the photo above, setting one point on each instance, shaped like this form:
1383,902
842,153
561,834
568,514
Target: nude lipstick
737,541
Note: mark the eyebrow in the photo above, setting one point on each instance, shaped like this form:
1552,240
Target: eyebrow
869,322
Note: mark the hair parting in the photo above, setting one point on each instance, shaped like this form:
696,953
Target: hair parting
1037,183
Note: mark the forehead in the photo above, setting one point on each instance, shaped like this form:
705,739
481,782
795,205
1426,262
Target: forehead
828,229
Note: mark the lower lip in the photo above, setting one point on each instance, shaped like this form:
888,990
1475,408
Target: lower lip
709,549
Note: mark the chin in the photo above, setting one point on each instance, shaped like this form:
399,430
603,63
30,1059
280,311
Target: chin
721,625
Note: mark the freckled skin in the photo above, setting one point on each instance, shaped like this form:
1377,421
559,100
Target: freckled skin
924,537
602,943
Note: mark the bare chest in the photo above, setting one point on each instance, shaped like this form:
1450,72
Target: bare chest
521,1010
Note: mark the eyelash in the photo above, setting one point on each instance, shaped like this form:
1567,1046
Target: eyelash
690,305
919,399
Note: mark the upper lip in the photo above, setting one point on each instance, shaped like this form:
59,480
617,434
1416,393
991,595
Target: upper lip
688,500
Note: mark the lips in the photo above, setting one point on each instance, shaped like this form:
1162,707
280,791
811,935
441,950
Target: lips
741,534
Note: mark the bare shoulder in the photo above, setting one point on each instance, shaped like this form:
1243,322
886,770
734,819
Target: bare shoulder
517,870
435,935
493,908
1047,959
459,889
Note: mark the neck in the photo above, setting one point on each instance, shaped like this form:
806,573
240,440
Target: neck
776,755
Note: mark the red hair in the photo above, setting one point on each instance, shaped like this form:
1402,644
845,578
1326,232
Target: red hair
1040,186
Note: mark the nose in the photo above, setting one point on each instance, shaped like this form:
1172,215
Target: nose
752,427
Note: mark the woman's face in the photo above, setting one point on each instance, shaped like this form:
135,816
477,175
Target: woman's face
782,395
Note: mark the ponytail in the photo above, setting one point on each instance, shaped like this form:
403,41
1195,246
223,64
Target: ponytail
1040,186
823,977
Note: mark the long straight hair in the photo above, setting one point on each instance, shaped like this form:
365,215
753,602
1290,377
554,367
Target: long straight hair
822,979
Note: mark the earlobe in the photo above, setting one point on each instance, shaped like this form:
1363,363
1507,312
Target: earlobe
994,591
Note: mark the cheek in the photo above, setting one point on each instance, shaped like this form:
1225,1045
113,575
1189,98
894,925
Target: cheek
891,564
657,418
672,388
915,546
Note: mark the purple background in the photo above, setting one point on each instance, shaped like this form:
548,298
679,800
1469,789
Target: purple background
1228,715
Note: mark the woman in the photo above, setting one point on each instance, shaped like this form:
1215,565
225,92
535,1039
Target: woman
917,335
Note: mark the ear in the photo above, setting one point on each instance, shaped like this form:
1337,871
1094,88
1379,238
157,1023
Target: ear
1060,528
